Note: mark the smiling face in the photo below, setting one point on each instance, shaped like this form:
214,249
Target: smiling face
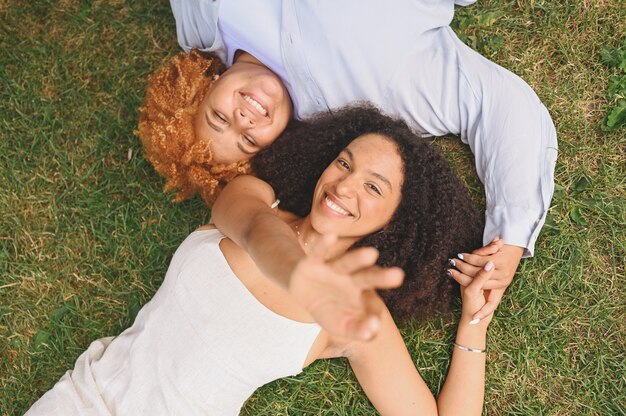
244,111
361,189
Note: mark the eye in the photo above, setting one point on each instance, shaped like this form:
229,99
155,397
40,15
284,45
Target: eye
220,117
343,163
248,140
374,188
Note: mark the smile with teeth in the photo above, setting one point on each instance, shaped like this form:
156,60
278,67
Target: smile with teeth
254,103
334,207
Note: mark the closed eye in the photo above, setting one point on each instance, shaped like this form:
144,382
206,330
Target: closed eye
220,117
248,140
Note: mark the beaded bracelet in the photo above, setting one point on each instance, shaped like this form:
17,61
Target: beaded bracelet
464,348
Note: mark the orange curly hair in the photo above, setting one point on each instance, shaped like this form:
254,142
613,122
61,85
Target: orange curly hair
166,131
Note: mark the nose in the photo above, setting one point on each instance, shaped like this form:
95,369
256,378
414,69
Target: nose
346,186
243,119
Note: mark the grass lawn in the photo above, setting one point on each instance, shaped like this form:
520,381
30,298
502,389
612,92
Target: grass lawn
86,233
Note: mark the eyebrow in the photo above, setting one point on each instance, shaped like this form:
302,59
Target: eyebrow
377,175
213,126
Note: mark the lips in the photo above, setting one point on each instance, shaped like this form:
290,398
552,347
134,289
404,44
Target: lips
334,206
255,104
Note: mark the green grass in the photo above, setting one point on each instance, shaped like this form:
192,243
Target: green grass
86,233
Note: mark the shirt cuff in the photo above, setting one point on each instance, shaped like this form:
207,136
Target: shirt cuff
516,226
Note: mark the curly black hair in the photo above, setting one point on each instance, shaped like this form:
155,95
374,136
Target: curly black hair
435,219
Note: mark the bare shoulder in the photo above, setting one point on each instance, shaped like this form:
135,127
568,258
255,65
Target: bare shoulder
248,183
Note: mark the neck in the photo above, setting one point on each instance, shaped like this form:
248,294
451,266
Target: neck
308,237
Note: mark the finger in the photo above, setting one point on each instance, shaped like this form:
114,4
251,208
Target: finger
320,249
493,300
480,279
364,326
355,260
463,279
490,249
379,278
465,268
474,259
374,305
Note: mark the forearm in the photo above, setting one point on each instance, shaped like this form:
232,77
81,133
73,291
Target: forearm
269,239
464,389
243,213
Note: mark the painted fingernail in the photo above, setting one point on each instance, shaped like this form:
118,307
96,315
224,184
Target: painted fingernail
449,273
489,266
460,255
452,262
474,321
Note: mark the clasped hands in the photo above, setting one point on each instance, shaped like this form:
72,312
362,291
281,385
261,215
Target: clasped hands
505,258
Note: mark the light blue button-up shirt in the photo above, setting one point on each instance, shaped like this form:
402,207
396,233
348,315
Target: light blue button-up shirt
403,57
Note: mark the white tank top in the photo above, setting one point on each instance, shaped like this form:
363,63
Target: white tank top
201,346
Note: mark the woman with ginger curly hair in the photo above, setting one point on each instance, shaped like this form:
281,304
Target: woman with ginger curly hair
218,328
199,123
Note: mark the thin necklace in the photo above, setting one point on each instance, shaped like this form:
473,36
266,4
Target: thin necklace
299,234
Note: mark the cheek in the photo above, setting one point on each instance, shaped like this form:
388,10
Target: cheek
223,152
267,136
381,213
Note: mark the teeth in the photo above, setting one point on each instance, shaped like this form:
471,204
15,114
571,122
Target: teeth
330,204
254,103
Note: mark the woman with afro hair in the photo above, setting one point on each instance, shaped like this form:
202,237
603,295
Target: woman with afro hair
200,123
235,313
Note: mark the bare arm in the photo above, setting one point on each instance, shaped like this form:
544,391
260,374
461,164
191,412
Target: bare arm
389,378
388,375
339,293
243,213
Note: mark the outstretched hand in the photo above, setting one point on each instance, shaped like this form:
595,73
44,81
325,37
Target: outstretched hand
340,293
505,258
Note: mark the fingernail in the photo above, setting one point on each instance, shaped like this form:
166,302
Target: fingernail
474,321
448,272
489,266
460,255
452,262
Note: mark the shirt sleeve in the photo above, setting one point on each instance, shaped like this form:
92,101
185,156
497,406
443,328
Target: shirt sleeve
515,148
196,26
445,87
